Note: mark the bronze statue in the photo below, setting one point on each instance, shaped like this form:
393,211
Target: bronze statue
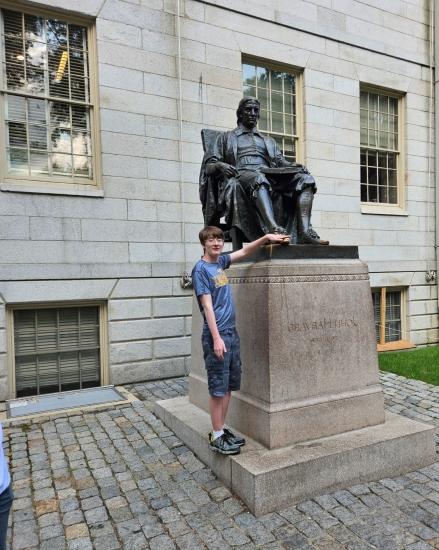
246,179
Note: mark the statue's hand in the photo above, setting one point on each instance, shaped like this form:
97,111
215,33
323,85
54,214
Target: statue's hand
303,168
226,169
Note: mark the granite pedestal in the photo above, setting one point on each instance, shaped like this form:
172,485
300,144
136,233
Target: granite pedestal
310,401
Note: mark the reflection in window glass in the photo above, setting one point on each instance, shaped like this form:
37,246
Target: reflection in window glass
379,147
276,91
46,58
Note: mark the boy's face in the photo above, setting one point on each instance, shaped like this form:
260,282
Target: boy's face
213,246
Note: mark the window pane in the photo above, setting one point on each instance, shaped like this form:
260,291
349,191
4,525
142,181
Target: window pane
34,28
372,193
38,137
13,24
59,115
263,121
62,164
276,81
38,163
364,193
262,77
56,33
17,134
382,194
82,165
249,91
36,54
382,177
249,74
58,73
15,108
61,141
372,176
77,37
276,102
18,161
81,143
79,89
277,123
263,98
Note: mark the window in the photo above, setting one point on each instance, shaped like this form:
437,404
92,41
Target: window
388,309
56,349
47,100
276,90
380,148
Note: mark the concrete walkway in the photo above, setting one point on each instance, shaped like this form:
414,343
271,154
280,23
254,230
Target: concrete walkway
120,479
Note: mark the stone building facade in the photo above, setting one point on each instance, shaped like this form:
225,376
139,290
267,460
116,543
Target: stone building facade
103,103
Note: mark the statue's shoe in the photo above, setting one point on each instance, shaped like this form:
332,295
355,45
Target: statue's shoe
311,237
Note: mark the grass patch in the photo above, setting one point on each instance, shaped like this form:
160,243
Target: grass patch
420,364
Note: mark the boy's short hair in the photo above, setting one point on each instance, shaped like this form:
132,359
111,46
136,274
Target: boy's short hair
210,232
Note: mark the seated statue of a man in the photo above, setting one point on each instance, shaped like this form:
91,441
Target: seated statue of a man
256,189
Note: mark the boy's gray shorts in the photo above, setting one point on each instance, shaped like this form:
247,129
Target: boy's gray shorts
223,375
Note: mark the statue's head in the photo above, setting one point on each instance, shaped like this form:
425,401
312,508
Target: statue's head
248,111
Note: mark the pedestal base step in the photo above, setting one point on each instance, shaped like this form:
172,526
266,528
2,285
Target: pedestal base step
267,480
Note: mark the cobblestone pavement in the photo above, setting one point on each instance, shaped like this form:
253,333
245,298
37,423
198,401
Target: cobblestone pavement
120,479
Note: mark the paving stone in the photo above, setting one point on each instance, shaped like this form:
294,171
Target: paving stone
58,543
50,532
96,515
162,542
75,516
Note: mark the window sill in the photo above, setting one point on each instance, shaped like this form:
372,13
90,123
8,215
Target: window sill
382,209
53,189
395,346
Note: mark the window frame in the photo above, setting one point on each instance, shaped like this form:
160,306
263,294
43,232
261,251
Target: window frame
103,335
398,208
403,342
298,74
54,184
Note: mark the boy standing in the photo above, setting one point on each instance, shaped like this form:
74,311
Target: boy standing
220,339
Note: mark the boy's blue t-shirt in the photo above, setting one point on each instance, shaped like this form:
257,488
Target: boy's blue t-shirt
209,278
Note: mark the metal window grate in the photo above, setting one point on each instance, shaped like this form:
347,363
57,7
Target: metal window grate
276,91
56,349
46,93
379,148
66,400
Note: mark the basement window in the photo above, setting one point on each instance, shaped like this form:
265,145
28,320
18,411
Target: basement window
56,349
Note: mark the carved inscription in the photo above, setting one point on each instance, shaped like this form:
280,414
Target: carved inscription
317,329
323,324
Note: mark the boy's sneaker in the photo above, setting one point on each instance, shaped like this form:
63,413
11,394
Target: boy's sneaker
234,439
223,446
